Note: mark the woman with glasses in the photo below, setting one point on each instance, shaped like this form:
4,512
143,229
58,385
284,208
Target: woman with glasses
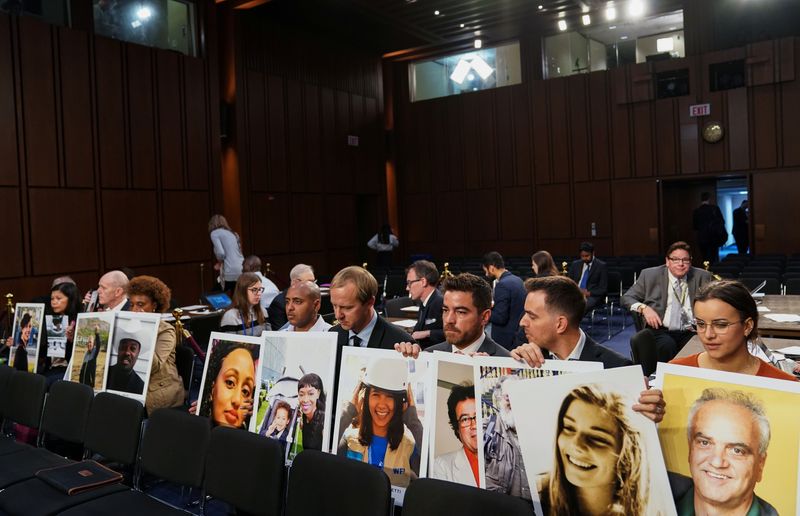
726,317
246,316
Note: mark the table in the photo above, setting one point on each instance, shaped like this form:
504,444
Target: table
407,328
779,305
695,346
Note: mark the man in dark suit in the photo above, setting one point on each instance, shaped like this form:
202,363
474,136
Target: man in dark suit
591,276
741,232
111,293
353,292
466,309
421,281
708,223
664,295
509,300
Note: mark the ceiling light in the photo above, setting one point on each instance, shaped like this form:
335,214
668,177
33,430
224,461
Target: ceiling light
461,71
611,11
480,66
742,192
436,13
623,37
673,28
635,8
478,43
144,13
562,25
587,20
136,24
612,27
664,44
541,7
462,25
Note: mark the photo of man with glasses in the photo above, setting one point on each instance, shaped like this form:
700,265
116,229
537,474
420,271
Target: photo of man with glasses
663,297
461,465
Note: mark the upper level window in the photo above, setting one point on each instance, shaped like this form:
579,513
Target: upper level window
168,24
50,11
480,69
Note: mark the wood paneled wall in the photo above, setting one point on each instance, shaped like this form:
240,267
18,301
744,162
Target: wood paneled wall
532,166
107,151
306,194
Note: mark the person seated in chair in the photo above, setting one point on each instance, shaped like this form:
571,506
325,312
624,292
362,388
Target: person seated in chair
591,275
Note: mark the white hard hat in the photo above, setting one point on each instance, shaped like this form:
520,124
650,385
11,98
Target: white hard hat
389,374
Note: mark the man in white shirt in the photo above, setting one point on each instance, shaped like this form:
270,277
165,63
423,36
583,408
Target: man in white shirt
302,308
110,293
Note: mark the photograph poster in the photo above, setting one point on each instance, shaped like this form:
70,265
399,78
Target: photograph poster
380,407
93,332
585,450
503,468
56,335
730,441
231,375
296,389
130,355
26,334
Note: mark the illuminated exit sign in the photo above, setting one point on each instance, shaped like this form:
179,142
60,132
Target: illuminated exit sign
700,110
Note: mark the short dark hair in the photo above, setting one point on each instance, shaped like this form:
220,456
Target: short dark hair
466,282
458,393
705,196
587,247
735,294
494,258
427,270
680,244
562,296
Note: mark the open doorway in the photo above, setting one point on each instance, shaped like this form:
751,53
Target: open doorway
731,195
680,198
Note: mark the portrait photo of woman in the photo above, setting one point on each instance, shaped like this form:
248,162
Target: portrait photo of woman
311,402
23,345
229,383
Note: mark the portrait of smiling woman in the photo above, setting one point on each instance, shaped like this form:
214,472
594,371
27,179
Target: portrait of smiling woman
598,458
229,384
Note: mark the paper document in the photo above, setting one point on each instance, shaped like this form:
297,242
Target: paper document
191,308
413,309
783,317
405,323
791,350
763,309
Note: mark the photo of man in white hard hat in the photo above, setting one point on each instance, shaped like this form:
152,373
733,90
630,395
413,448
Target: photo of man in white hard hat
373,423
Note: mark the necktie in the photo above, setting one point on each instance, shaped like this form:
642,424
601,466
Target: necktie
356,341
585,277
676,316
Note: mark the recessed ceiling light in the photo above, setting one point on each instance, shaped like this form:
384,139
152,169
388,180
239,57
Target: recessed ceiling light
611,11
541,7
673,28
623,37
462,25
635,8
586,19
612,27
478,43
562,25
471,77
436,13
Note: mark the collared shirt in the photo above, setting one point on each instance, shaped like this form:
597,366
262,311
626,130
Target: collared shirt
472,348
577,350
672,301
685,505
585,269
118,307
320,325
427,298
366,332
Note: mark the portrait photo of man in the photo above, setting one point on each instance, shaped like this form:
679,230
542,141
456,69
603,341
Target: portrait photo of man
461,465
131,353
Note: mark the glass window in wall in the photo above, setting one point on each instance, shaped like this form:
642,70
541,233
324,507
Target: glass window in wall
55,12
480,69
168,24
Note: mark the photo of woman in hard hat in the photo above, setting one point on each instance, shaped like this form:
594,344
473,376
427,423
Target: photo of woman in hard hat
373,421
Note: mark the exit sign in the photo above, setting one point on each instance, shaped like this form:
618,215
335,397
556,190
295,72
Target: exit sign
700,110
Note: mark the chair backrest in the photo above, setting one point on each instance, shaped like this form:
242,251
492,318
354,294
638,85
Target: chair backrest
184,362
25,398
431,497
333,479
643,351
114,427
614,283
792,287
393,306
257,486
174,446
5,377
772,286
66,411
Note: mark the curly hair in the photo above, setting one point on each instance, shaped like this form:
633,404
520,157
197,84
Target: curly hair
630,488
221,350
458,393
153,288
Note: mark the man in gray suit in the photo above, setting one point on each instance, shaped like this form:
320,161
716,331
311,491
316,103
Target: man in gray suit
466,309
664,295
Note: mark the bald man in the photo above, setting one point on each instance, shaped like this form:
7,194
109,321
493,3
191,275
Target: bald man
111,292
302,308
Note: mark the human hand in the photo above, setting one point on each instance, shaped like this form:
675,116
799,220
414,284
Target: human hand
421,334
193,407
651,405
408,349
529,353
651,317
71,331
9,342
217,266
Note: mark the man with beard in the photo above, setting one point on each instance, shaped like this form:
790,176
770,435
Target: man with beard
505,471
466,309
461,466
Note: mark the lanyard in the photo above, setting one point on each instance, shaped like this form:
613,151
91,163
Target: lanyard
252,325
682,297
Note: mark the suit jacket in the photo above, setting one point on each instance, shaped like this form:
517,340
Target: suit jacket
739,223
509,305
597,282
276,312
430,318
489,347
384,336
702,217
594,352
652,287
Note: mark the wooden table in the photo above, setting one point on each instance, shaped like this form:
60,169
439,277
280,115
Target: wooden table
695,346
779,305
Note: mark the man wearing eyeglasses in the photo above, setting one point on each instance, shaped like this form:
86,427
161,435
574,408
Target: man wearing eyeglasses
461,465
663,296
421,280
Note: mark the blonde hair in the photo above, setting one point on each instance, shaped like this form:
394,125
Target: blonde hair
218,221
365,282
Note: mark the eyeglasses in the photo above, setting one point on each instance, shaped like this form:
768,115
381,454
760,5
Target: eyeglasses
467,421
256,290
409,283
720,327
679,260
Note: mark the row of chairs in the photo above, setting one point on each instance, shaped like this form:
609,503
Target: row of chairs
223,468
